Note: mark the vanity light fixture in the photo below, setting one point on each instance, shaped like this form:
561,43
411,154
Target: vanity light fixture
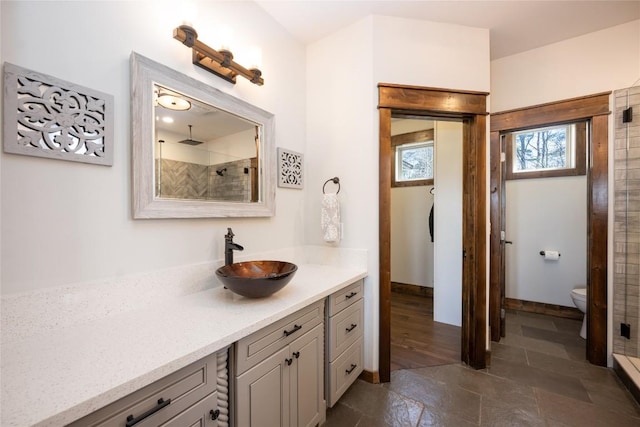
172,102
220,62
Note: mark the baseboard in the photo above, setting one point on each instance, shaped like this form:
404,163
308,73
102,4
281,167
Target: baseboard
543,308
404,288
370,377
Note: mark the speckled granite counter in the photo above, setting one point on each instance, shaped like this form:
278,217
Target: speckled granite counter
57,376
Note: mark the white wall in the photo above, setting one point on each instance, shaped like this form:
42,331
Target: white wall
411,246
597,62
171,149
65,222
546,214
341,138
233,147
342,120
447,277
423,53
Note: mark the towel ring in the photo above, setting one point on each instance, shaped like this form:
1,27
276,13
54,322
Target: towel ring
335,180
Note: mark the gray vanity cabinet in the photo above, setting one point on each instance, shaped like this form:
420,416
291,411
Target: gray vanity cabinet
190,396
280,373
345,331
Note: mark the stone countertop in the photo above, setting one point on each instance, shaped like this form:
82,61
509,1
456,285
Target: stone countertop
56,377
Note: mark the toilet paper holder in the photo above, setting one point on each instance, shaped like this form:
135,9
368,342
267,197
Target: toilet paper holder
543,253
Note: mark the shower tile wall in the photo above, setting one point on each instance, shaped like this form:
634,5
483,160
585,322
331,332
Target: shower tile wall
183,180
234,185
626,286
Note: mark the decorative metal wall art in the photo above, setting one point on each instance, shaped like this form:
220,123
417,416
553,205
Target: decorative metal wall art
48,117
290,169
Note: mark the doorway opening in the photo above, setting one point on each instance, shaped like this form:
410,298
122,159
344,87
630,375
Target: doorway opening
592,110
470,108
426,241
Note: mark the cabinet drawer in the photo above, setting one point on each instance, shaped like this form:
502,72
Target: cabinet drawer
183,387
345,328
260,345
345,297
344,371
199,415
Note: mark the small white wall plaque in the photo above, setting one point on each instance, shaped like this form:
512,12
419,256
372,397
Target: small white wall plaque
48,117
290,169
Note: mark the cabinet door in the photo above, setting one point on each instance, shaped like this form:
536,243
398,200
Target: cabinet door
307,379
262,393
202,414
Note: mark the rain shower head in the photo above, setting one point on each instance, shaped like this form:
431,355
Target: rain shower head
190,141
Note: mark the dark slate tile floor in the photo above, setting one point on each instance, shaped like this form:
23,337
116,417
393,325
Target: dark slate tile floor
538,377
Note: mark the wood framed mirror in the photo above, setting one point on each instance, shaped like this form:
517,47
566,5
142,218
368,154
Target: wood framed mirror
197,152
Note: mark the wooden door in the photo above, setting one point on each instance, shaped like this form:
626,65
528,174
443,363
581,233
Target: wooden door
503,233
307,379
263,396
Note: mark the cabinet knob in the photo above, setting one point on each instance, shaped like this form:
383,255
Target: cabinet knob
351,295
214,414
296,354
348,371
351,328
288,361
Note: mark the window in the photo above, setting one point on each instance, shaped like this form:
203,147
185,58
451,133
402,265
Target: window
547,152
413,159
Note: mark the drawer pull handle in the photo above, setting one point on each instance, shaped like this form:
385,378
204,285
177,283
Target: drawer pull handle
351,328
348,371
288,361
131,420
214,414
351,295
296,328
296,354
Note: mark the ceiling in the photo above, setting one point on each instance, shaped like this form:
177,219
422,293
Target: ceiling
515,26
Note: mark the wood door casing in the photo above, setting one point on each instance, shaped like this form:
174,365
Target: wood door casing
595,109
470,108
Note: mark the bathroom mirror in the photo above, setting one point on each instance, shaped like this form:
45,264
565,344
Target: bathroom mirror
197,151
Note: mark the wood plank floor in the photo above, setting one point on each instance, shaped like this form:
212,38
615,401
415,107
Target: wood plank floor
416,340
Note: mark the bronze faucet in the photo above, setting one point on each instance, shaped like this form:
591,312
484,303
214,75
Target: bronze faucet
229,247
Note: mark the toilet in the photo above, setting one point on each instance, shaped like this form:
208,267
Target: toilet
579,297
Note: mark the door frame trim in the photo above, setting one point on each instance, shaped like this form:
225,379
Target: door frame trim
470,108
595,109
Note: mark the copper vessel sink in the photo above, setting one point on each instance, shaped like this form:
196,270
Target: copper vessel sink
256,279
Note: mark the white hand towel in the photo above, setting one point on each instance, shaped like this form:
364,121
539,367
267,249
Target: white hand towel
330,218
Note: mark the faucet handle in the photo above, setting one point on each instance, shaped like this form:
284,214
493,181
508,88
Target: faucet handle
229,234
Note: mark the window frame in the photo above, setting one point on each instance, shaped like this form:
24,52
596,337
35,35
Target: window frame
580,165
425,136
